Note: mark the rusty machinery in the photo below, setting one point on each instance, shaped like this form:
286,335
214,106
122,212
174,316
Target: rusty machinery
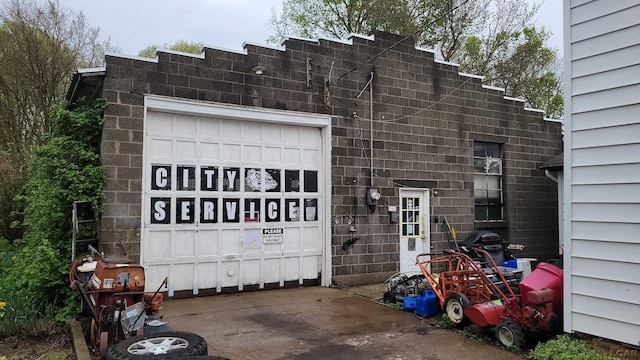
465,292
114,304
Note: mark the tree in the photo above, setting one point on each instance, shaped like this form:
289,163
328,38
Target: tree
180,45
42,44
492,38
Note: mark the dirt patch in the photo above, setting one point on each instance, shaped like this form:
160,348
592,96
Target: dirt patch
55,346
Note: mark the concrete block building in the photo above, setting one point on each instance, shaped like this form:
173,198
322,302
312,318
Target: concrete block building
318,162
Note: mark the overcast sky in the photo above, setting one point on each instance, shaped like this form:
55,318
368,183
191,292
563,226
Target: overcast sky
133,25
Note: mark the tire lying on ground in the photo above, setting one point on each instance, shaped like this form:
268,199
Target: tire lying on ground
159,345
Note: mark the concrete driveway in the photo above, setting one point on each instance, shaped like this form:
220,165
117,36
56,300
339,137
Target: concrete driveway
319,323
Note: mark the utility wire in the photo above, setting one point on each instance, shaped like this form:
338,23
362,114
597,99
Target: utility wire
361,136
448,12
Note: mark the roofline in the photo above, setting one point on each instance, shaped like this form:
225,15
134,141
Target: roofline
78,78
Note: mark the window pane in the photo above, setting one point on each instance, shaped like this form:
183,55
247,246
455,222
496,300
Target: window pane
230,210
493,150
481,213
272,209
310,181
291,180
494,196
478,165
479,181
209,178
251,210
494,166
161,177
272,180
231,179
292,210
252,180
494,212
493,182
479,149
186,178
310,209
480,195
208,210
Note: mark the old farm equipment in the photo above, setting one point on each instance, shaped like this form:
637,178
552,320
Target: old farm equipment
467,291
114,304
457,285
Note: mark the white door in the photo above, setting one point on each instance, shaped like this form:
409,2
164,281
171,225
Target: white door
232,202
414,228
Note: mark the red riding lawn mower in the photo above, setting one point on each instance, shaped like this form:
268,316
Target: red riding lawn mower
114,304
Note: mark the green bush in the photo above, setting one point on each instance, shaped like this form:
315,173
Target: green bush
565,347
65,169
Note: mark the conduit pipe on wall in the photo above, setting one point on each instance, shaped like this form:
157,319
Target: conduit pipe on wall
548,174
371,130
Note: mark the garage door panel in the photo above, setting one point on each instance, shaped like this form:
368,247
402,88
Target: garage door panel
271,134
182,276
154,275
161,147
229,273
186,126
185,149
231,152
311,267
208,151
272,155
230,242
292,156
157,245
291,240
232,130
311,137
208,128
272,249
252,131
184,244
251,270
253,153
207,274
310,156
291,134
207,244
291,269
312,238
271,270
161,124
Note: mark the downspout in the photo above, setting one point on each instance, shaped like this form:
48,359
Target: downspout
548,174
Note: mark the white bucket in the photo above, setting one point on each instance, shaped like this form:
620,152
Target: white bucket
524,264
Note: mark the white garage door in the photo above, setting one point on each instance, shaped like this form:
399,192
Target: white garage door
233,197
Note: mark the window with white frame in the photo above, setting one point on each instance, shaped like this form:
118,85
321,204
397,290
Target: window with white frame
487,181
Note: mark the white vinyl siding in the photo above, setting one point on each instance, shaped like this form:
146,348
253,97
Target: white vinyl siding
602,169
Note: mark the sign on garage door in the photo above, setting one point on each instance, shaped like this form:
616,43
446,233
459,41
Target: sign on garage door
231,201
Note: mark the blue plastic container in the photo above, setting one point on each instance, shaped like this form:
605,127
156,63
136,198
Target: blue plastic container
511,264
427,304
409,303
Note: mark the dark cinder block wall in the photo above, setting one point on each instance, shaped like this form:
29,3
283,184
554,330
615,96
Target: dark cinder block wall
426,116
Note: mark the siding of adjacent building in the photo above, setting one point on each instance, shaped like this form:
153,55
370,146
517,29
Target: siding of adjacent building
602,168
